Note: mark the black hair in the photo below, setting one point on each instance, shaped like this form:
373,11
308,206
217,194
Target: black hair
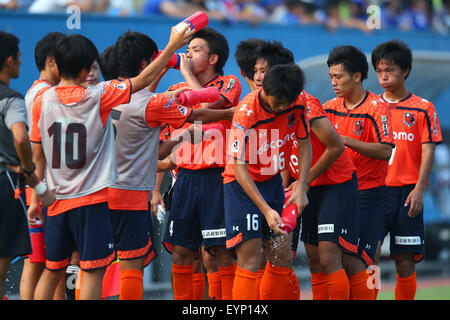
396,51
246,55
274,53
9,47
284,82
108,64
352,59
217,44
46,48
73,54
131,49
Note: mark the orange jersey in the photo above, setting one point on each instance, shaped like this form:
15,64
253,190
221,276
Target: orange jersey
114,93
340,171
210,153
264,139
415,122
369,122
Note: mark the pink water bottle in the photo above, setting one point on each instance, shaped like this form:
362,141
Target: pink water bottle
193,97
289,215
174,62
37,242
197,21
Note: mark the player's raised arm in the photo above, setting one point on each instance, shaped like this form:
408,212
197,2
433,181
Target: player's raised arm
153,71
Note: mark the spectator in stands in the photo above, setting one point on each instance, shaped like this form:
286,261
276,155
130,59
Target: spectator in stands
294,12
15,4
183,8
60,6
346,14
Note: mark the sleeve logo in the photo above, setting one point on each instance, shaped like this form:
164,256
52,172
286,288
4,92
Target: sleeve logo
385,126
183,110
121,86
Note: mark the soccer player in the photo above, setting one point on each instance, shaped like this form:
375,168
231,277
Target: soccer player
416,131
16,164
80,153
48,76
197,211
265,125
137,125
246,55
363,121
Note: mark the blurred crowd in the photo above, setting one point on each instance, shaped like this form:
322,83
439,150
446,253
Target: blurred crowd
400,14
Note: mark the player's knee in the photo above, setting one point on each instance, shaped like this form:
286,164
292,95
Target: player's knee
404,264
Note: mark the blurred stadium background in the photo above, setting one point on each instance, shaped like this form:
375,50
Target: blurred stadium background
310,29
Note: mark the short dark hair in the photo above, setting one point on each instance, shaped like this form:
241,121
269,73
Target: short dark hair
73,54
108,64
274,53
246,55
284,82
46,48
217,44
9,47
396,51
353,60
131,49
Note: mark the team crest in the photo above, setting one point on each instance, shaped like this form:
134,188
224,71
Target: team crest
291,120
359,127
409,119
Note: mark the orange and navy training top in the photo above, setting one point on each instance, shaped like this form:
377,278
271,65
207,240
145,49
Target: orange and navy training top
263,139
414,122
340,171
370,122
210,153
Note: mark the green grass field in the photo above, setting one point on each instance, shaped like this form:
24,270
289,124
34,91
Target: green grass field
432,293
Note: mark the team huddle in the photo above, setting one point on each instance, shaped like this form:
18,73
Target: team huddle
355,167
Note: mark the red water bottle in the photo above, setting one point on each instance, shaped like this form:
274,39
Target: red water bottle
193,97
37,242
197,21
289,215
174,62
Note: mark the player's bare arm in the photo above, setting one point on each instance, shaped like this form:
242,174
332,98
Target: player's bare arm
325,132
245,180
374,150
301,188
154,69
415,198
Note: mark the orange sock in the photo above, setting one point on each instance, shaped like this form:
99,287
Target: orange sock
319,286
182,282
227,279
131,285
274,282
258,283
215,286
338,286
359,289
405,289
198,285
78,284
293,287
244,284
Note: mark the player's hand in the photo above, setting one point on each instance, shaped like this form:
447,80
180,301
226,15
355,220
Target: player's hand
345,140
291,186
176,92
274,221
35,211
299,198
230,113
186,64
179,39
47,198
415,201
156,199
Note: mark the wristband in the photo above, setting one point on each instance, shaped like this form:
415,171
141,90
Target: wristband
40,188
29,172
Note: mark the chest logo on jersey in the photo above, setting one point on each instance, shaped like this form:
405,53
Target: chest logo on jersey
291,120
359,127
409,119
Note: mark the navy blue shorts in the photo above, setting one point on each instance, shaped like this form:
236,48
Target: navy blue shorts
133,234
243,219
331,215
87,229
372,218
406,234
196,215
